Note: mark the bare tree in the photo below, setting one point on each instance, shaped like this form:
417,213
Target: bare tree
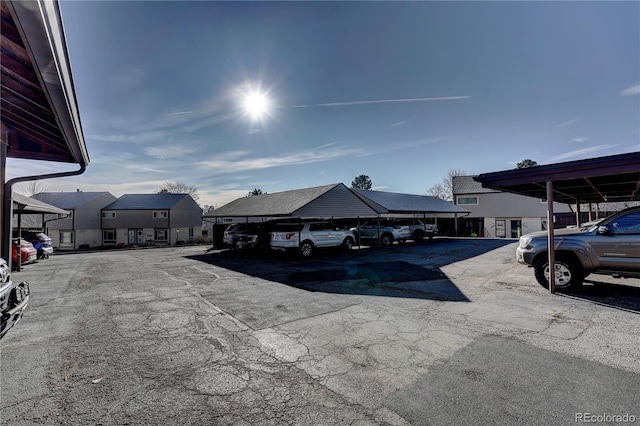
361,182
31,187
444,189
179,188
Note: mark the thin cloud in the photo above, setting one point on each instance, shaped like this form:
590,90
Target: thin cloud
578,140
239,161
327,145
630,91
581,152
567,123
164,152
180,113
383,101
399,123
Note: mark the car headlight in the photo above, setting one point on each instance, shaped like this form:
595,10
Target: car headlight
524,241
4,273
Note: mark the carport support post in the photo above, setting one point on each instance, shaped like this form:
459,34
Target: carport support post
5,248
551,251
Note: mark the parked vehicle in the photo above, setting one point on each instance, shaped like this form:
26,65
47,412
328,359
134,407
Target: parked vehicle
233,233
255,237
385,233
13,299
609,247
42,243
307,236
419,229
28,254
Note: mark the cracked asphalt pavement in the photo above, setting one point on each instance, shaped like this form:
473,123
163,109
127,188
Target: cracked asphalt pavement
450,331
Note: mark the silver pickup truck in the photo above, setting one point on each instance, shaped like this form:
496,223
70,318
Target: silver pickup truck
609,247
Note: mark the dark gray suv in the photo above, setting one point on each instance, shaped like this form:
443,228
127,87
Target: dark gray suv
610,247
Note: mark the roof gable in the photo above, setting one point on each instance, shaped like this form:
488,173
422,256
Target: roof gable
320,201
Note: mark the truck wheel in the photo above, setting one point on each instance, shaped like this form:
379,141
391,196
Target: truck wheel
569,273
306,249
419,235
386,240
348,243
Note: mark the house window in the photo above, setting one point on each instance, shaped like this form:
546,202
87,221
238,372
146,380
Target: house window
66,237
160,234
160,215
108,215
501,226
467,200
190,233
109,236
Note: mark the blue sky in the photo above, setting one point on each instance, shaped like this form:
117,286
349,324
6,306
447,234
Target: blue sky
399,91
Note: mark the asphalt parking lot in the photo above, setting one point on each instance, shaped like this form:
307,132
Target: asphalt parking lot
451,331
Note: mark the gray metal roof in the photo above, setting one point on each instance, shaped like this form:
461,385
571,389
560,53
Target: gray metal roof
603,179
68,200
335,200
392,202
146,202
468,185
28,205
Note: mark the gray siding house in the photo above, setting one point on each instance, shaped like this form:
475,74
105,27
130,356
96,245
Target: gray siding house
151,219
82,228
499,214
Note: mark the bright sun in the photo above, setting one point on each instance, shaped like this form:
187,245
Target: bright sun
256,105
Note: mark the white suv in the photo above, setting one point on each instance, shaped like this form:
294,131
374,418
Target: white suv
307,236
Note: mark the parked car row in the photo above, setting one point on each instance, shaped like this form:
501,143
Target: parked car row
32,247
309,235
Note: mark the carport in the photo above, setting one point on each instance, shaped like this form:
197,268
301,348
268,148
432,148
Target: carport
23,205
613,178
40,119
327,201
397,205
334,201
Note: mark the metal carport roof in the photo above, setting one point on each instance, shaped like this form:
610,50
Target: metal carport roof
335,200
27,205
603,179
397,203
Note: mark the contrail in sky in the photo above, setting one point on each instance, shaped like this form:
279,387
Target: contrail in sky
384,101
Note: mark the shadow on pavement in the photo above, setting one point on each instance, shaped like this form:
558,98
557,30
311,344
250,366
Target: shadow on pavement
617,296
368,272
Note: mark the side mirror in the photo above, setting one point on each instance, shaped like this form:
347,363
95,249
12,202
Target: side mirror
604,230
